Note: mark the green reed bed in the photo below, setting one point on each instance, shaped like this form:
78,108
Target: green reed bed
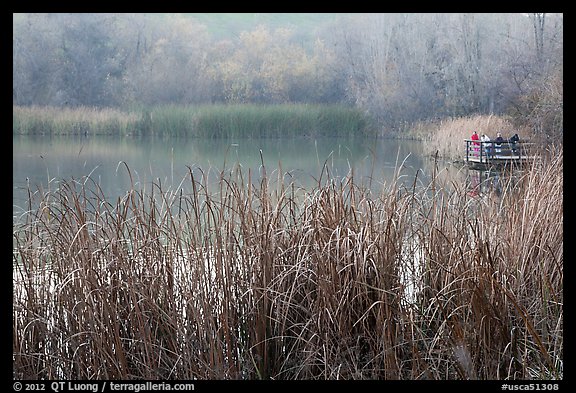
253,277
218,121
250,120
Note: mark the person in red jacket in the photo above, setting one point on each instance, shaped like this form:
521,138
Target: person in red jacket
475,137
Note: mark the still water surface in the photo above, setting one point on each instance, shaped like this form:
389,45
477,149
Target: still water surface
41,162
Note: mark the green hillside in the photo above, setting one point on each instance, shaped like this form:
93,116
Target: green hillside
222,25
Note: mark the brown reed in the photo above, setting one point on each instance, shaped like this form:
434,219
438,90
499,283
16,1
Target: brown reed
256,278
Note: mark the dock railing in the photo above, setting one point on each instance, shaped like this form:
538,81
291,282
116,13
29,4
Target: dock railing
492,151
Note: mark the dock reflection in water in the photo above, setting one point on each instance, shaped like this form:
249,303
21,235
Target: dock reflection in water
482,183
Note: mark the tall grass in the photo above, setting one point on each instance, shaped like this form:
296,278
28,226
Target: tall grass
280,120
72,121
259,279
492,281
234,121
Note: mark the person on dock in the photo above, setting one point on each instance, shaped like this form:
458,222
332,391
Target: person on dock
485,139
498,143
476,145
514,139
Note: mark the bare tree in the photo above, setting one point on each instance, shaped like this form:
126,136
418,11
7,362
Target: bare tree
538,20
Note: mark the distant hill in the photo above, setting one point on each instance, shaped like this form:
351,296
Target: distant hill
228,25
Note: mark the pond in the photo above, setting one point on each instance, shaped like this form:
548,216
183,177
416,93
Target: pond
40,162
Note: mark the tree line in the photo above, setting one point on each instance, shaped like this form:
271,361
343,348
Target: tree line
399,68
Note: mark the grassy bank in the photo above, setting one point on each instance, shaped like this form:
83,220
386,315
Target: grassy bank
34,120
260,279
205,121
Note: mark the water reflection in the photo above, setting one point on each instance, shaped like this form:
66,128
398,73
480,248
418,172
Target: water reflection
479,183
116,164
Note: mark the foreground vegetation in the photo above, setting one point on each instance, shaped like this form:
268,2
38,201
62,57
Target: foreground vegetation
255,278
199,121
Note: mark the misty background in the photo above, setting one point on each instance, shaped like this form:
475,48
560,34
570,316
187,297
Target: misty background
399,68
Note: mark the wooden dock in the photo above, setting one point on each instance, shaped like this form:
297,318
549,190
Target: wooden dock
491,155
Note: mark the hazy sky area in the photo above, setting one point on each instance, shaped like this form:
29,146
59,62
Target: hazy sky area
398,67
